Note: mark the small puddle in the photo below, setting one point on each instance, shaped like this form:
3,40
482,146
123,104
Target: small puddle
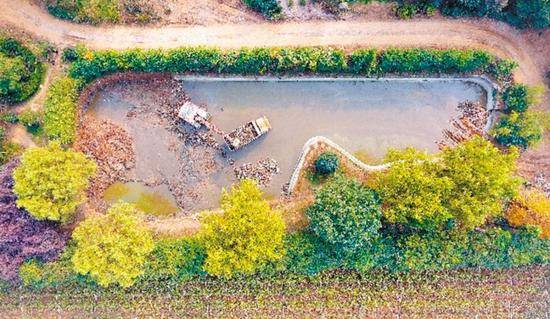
157,201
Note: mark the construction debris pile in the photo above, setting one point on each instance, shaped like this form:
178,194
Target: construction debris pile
471,121
262,171
111,147
542,183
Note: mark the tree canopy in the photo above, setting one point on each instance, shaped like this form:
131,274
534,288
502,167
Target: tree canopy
345,214
246,235
112,248
468,183
50,182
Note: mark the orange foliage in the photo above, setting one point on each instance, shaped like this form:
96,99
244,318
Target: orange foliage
532,208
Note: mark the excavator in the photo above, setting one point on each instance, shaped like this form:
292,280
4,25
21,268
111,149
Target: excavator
236,139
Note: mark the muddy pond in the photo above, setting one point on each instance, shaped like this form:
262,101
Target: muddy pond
367,115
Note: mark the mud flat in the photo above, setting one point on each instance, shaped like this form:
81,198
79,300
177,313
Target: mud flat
357,114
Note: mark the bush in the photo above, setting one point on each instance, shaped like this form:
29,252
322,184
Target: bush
531,209
269,8
112,248
326,163
60,110
50,182
363,61
515,98
245,236
21,73
175,259
518,129
306,254
91,11
345,215
21,236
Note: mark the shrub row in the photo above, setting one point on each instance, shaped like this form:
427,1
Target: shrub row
21,72
177,260
60,110
88,65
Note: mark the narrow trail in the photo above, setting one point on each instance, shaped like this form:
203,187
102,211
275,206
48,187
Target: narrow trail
492,36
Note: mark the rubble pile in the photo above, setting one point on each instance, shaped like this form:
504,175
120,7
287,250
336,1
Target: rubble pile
111,147
471,121
542,183
262,171
242,135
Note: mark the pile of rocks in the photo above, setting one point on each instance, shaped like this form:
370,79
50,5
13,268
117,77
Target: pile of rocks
262,171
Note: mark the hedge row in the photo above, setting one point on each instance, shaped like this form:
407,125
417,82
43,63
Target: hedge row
88,65
60,110
21,72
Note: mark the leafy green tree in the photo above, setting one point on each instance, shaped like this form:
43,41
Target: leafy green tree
518,129
533,13
11,73
50,182
346,215
468,183
112,248
245,235
412,190
483,179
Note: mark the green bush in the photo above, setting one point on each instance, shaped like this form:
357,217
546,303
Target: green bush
175,259
345,215
21,72
363,61
269,8
326,163
307,254
515,98
91,11
60,110
518,129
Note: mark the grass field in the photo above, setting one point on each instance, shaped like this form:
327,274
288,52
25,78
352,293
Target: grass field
514,293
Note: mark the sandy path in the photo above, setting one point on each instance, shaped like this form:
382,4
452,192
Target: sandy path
495,37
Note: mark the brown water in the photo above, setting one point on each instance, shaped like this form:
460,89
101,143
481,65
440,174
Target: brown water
357,114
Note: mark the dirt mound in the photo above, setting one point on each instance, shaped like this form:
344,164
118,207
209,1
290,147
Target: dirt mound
111,147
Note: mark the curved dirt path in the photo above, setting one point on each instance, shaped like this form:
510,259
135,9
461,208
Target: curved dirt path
495,37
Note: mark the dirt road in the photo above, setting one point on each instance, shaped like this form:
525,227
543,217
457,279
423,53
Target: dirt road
495,37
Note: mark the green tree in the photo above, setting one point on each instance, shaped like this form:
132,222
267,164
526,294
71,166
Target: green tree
50,182
412,190
345,215
112,248
483,178
518,129
245,235
12,71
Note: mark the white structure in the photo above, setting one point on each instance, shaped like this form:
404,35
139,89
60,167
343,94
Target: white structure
193,114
